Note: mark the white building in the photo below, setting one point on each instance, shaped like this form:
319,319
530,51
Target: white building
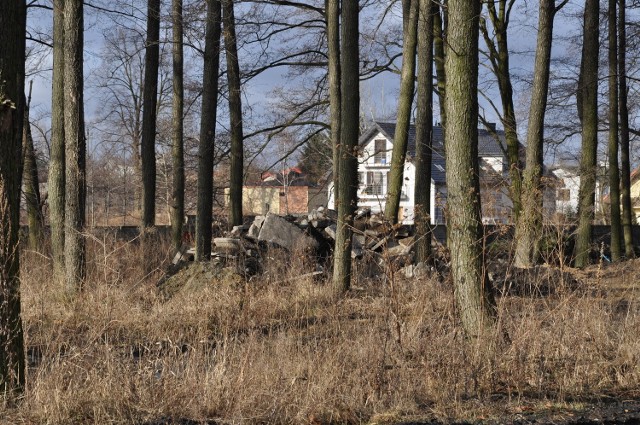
374,162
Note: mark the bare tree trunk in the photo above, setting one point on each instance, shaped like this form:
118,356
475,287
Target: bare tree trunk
177,195
529,224
401,137
439,32
75,149
625,163
473,296
424,131
12,59
208,130
235,114
30,183
149,114
499,58
332,10
349,107
56,183
588,113
614,171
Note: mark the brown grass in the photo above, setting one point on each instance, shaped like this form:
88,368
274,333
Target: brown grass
278,350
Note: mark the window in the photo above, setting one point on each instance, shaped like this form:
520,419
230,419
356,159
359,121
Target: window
374,183
380,152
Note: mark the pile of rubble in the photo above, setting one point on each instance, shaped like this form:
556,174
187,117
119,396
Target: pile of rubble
376,245
376,248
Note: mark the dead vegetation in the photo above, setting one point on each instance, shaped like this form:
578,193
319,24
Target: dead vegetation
279,350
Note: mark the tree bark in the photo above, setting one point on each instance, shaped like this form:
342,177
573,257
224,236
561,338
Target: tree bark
332,10
208,130
30,183
75,147
149,115
529,223
12,60
235,114
405,101
499,58
588,112
56,183
347,197
473,295
614,170
424,131
177,194
439,32
625,163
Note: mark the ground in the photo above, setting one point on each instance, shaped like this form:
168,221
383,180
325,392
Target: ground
277,348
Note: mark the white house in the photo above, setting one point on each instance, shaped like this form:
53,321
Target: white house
567,196
374,159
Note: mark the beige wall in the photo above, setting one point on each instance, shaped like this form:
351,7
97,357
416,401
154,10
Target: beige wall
635,198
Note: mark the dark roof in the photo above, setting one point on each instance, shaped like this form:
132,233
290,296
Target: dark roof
487,144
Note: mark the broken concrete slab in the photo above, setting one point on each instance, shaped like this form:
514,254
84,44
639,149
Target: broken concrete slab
254,229
331,231
278,231
228,245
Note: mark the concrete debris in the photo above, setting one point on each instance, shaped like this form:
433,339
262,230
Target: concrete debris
376,247
280,232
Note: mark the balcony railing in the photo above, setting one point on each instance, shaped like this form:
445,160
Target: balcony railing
378,191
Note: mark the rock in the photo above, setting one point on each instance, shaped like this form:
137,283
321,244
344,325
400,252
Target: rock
278,231
358,241
396,251
331,231
374,245
254,229
416,270
237,231
362,212
228,245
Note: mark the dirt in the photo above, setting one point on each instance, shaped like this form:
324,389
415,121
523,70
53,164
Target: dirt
194,276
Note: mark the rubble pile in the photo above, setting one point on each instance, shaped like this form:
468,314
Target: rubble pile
377,248
376,245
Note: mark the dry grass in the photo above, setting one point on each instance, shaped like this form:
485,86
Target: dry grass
279,350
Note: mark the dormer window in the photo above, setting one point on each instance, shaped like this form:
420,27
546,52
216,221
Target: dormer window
380,152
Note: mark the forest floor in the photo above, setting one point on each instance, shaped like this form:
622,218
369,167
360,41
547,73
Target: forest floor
279,349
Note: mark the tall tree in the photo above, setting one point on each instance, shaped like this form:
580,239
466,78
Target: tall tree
12,60
177,196
473,295
149,117
56,182
587,96
349,113
208,130
332,18
498,54
30,182
439,35
405,101
235,114
625,163
424,130
614,170
75,146
529,223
